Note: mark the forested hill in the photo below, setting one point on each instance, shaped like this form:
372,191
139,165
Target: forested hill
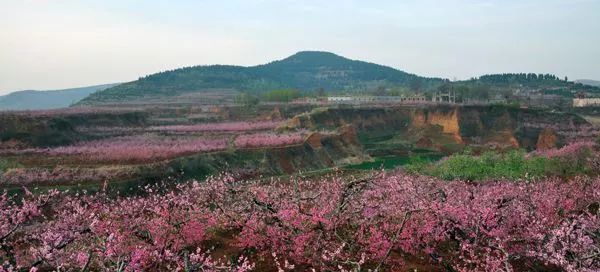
307,70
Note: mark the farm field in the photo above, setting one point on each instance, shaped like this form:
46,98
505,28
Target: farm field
106,154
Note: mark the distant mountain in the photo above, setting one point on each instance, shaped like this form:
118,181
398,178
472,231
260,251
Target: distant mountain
589,82
306,70
37,100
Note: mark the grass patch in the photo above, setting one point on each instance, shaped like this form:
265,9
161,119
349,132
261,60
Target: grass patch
513,165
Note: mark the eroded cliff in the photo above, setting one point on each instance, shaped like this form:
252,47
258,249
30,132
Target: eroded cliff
441,127
318,151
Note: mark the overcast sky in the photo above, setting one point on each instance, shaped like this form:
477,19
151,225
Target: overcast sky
52,44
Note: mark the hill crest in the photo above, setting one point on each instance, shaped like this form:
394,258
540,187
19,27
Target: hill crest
304,70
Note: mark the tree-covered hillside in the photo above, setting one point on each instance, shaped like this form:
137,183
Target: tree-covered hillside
182,80
508,84
329,73
302,71
310,70
528,80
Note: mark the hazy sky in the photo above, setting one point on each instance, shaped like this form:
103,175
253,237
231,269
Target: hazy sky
51,44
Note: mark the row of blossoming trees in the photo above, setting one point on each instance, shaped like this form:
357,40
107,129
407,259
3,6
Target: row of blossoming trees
220,127
106,159
146,147
389,221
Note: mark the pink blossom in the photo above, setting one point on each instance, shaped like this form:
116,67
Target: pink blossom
222,127
268,140
571,149
134,148
334,222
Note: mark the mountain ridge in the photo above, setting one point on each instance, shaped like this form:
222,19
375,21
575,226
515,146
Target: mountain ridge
304,70
590,82
48,99
312,70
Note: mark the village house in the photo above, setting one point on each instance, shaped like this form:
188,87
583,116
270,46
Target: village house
585,102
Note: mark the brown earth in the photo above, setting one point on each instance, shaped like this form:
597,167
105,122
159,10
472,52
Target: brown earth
547,139
492,126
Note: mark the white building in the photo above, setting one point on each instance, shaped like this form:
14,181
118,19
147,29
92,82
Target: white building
380,99
340,98
585,102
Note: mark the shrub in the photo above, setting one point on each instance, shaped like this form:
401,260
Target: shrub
416,164
460,167
514,165
281,95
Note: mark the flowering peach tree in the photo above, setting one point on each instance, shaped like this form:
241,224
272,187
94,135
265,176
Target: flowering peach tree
388,221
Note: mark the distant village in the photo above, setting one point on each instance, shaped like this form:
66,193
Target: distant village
523,98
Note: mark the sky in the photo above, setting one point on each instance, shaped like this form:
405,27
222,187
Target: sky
55,44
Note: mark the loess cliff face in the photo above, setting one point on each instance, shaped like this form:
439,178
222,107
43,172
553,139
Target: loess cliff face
439,126
352,129
372,120
51,130
447,119
547,139
318,151
353,135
